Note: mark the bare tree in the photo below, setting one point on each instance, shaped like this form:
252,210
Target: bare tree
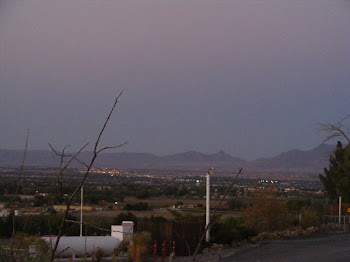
337,130
335,178
88,166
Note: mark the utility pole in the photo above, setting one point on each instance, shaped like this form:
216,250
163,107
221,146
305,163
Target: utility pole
81,211
339,212
207,214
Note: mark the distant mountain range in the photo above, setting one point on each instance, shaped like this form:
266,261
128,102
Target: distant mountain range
311,161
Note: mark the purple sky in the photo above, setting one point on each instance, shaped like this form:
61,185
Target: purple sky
249,77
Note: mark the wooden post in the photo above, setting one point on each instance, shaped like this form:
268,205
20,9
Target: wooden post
173,250
155,251
163,250
134,258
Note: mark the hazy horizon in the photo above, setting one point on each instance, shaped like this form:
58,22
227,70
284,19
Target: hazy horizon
162,155
250,78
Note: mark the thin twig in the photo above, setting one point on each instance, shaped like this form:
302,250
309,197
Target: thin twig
59,176
106,122
62,169
335,130
111,147
69,155
12,258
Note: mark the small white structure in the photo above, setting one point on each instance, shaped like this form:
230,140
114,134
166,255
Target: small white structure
80,245
7,212
124,231
4,213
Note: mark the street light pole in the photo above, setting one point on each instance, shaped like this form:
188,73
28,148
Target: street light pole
207,214
81,211
339,218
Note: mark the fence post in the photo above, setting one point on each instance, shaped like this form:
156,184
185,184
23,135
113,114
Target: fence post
163,250
155,251
134,257
173,250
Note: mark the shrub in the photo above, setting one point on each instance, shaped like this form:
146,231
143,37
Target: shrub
297,204
142,245
235,204
309,218
99,254
266,214
230,230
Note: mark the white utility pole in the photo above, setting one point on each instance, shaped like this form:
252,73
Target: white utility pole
339,211
207,214
81,211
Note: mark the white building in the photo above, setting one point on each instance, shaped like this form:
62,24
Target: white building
78,246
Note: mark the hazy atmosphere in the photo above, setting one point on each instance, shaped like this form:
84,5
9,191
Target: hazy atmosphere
247,77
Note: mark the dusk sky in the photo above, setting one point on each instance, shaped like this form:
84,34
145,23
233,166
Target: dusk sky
252,78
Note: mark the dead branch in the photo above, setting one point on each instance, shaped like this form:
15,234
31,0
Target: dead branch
111,147
18,183
89,166
63,155
213,221
106,122
335,130
59,176
62,169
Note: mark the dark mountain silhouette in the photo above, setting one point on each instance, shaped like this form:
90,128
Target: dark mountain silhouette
313,160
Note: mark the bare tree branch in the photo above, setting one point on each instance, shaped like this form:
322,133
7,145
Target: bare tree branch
106,122
18,184
23,159
335,130
62,169
111,147
63,155
59,176
89,166
213,221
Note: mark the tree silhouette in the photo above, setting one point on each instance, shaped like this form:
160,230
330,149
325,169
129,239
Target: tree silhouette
336,178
